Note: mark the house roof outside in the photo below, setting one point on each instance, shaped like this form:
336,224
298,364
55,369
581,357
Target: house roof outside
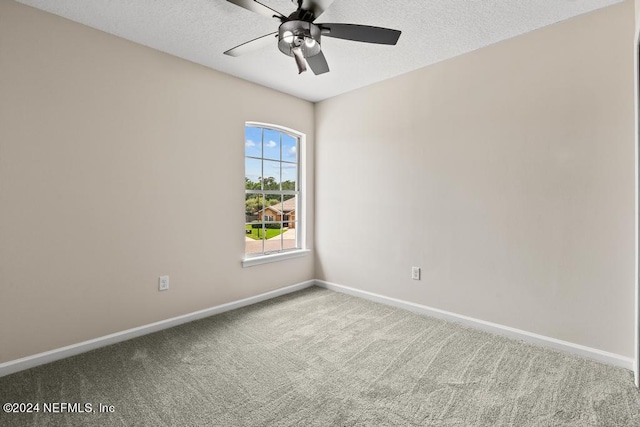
287,206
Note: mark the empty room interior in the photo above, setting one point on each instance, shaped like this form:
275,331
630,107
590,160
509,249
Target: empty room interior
439,210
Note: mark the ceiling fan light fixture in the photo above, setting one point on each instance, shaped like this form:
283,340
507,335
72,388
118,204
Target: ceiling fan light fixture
299,34
287,36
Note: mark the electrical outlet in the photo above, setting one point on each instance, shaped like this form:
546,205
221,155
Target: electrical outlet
415,273
163,283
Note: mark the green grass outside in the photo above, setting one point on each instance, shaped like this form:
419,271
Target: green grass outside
257,233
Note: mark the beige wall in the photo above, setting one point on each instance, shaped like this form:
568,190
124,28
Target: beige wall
511,171
510,168
115,163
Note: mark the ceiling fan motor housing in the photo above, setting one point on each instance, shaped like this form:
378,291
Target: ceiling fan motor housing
302,34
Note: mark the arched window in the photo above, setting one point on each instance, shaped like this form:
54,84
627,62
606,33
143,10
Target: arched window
272,190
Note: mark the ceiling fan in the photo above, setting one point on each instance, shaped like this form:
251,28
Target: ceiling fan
299,37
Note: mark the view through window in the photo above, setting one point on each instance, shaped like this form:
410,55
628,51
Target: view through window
271,190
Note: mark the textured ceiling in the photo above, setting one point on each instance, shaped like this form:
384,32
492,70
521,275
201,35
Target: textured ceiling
432,31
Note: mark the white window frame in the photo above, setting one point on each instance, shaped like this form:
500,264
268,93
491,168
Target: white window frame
250,260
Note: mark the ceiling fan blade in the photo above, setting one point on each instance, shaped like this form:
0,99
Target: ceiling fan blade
252,45
257,7
318,64
316,6
361,33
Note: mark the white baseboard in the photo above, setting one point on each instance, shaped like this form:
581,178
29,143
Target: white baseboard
541,340
71,350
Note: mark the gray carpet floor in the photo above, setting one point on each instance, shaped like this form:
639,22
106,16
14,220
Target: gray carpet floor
320,358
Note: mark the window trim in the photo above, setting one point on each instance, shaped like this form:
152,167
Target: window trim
273,257
301,217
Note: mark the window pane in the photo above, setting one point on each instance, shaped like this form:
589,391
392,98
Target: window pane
289,148
271,141
272,213
271,175
289,176
289,240
288,208
273,208
253,238
252,173
254,203
273,240
255,231
253,142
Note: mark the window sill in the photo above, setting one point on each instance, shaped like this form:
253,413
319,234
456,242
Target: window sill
264,259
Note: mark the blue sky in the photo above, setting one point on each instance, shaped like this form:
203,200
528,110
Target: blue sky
270,142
